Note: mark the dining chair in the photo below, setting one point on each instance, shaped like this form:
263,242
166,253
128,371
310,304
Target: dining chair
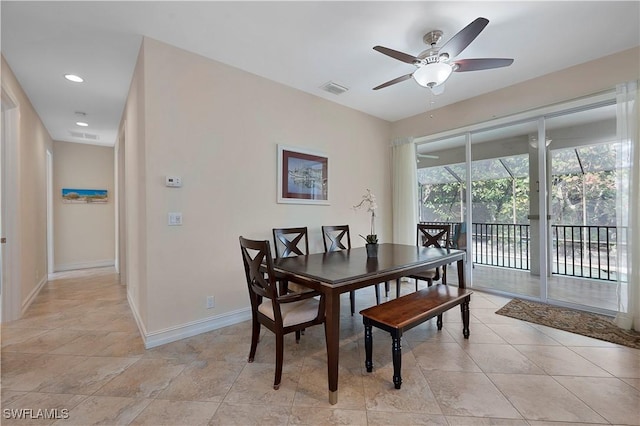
290,242
432,236
333,238
459,239
280,313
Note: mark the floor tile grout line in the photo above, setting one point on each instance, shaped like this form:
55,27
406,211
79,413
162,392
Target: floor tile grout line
580,399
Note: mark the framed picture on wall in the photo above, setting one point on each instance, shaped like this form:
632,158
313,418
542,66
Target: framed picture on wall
84,196
303,176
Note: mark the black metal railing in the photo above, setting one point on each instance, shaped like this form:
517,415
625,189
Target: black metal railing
501,244
587,251
577,251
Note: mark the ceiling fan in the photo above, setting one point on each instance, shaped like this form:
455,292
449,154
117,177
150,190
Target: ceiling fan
433,64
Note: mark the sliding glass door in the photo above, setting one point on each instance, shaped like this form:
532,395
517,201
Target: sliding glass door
545,219
503,243
583,179
442,187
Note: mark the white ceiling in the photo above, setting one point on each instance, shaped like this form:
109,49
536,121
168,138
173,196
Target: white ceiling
298,44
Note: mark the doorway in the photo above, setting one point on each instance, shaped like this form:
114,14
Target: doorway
50,245
121,224
9,219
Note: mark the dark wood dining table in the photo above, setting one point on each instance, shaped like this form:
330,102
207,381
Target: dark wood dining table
339,272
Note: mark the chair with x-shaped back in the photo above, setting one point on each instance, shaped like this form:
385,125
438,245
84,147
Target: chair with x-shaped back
280,313
333,238
432,236
290,242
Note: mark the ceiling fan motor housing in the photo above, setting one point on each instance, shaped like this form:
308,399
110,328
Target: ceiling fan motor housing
432,37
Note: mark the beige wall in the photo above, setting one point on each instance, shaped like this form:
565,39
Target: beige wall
134,196
561,86
218,128
84,234
33,142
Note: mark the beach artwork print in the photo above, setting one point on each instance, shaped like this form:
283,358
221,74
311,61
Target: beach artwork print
84,196
302,176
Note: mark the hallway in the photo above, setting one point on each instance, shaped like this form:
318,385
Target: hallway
78,350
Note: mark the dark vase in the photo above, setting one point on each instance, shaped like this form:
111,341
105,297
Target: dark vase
372,250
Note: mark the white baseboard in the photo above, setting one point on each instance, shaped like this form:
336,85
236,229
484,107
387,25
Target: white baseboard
84,265
136,316
182,331
32,296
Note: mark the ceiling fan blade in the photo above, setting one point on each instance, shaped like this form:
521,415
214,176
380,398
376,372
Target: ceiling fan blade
404,57
480,64
463,38
394,81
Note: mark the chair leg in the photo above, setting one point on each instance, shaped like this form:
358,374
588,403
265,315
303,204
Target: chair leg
255,336
377,289
352,299
298,336
416,284
279,358
386,289
397,288
283,287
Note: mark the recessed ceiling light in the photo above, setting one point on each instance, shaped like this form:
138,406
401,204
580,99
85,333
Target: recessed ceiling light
81,124
74,78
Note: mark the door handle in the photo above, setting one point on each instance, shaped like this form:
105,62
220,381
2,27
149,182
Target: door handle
3,240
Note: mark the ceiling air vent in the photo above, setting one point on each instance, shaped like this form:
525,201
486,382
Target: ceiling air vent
334,88
82,135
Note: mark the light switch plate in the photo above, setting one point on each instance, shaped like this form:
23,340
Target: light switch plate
175,218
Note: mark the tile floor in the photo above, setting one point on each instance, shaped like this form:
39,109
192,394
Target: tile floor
78,349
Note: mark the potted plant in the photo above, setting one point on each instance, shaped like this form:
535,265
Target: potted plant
369,202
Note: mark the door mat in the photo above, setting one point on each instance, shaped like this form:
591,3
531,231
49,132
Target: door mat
571,320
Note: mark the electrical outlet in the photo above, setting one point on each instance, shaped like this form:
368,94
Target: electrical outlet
210,302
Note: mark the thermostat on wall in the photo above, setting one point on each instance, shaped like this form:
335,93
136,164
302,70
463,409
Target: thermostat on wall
173,181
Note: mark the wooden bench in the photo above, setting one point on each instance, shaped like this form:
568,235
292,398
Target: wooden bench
406,312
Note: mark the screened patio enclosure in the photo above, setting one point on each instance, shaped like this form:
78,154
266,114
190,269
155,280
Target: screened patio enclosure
575,177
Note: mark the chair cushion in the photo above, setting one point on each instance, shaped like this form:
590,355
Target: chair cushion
292,313
429,274
297,288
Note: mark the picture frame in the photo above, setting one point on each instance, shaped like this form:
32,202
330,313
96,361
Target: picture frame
85,196
303,176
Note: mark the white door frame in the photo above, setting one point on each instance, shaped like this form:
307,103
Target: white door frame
11,288
120,205
50,245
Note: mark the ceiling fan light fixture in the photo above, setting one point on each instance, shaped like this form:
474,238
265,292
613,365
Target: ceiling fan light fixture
432,75
74,78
